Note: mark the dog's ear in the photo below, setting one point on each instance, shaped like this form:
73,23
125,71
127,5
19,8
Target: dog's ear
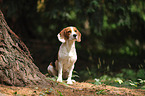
79,36
61,36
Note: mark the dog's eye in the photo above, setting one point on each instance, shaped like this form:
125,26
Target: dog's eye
75,30
69,31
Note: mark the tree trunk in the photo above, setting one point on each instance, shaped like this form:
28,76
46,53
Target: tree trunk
16,64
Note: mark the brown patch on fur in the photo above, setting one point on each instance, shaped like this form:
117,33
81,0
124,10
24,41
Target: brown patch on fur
51,64
78,33
65,33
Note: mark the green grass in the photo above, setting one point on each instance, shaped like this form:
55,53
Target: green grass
128,78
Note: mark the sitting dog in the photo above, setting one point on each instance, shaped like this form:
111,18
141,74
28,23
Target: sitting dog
63,66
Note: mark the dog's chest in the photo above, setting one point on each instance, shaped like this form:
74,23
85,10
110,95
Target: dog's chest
67,56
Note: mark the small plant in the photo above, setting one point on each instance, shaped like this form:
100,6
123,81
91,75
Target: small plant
133,84
118,80
101,92
141,81
97,82
75,74
60,94
15,93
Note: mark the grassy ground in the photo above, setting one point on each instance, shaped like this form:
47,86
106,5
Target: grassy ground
77,89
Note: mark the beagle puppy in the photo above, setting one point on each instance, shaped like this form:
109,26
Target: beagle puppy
63,65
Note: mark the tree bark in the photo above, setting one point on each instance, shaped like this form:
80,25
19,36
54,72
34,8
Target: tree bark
16,64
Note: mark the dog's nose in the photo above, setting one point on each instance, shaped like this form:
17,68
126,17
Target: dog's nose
75,35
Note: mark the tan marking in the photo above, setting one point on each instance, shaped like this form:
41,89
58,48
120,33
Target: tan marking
78,33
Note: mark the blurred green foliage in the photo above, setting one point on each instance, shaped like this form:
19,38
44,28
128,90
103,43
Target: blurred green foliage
113,31
126,78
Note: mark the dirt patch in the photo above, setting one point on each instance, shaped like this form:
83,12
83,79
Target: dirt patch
77,89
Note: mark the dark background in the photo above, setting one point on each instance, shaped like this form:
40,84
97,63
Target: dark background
113,32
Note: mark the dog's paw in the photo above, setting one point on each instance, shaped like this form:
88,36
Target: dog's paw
69,82
73,81
59,80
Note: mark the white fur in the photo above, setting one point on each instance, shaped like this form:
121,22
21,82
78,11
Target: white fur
60,39
71,35
67,58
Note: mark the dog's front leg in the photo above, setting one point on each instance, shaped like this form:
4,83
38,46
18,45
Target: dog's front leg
60,66
69,81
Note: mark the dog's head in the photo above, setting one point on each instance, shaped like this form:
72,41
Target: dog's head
69,33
